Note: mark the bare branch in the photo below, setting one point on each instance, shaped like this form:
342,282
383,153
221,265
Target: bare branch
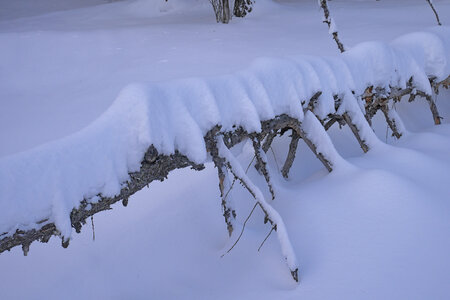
435,12
267,236
291,154
242,230
331,25
262,163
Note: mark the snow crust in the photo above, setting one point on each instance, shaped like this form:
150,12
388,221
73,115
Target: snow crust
49,181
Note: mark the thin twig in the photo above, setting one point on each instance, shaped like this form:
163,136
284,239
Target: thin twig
93,228
387,130
275,158
234,180
242,230
266,237
435,12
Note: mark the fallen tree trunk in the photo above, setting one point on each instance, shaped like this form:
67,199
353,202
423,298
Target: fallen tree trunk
157,166
271,99
153,167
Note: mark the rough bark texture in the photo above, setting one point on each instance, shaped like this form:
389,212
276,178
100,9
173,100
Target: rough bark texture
268,141
291,154
391,122
228,212
226,17
242,8
261,163
154,166
221,10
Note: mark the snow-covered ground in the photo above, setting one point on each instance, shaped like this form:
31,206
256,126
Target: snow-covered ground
377,230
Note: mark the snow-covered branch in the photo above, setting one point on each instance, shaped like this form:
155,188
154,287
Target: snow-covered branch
332,27
154,166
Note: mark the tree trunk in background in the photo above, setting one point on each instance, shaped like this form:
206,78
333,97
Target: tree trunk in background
242,8
226,12
222,10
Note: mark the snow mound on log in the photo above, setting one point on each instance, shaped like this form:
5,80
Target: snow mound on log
430,50
46,183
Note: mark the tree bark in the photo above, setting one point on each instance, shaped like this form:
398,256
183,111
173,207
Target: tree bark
221,10
242,8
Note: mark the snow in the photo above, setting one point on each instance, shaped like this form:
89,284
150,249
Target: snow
375,224
333,27
429,50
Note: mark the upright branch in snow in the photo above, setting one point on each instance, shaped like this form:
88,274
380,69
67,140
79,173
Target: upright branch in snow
430,2
242,8
332,29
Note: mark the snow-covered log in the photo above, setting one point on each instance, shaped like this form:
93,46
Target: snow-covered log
154,128
154,166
